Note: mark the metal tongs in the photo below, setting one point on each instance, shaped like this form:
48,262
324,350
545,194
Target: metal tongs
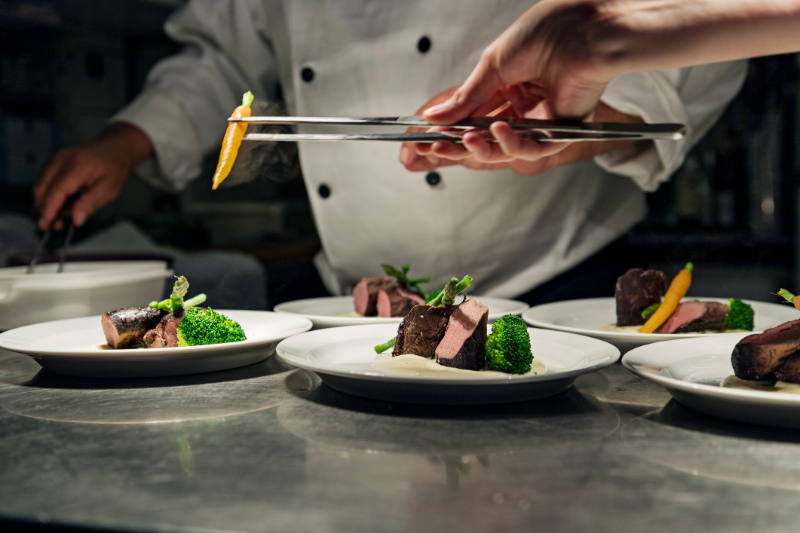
63,214
539,130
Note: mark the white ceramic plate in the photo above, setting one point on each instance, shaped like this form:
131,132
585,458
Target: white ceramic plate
585,316
691,370
343,359
72,347
328,312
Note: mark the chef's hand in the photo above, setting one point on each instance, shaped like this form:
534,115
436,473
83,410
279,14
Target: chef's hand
511,153
539,68
101,167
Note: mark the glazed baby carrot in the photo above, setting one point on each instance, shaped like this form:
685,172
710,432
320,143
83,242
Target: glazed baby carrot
789,297
677,290
232,140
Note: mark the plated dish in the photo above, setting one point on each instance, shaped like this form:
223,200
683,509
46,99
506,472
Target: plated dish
344,359
588,316
75,347
694,369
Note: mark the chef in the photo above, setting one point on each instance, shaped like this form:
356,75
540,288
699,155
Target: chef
512,231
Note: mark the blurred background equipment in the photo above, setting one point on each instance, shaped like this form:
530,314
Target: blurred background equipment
67,65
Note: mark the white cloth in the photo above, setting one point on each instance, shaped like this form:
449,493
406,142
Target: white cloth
510,232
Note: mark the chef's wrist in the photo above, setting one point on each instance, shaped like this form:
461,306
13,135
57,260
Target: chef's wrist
129,144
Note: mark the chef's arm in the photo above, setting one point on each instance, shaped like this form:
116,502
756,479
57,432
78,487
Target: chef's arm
181,114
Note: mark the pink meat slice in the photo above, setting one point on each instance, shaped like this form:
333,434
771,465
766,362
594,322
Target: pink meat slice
395,301
365,294
695,315
464,341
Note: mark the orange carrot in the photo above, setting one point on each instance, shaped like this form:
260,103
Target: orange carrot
232,140
676,291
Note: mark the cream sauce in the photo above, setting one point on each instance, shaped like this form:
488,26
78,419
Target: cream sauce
732,382
414,365
635,329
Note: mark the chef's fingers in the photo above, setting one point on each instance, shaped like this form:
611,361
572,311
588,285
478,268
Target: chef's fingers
481,86
518,147
49,171
448,150
99,194
70,178
483,151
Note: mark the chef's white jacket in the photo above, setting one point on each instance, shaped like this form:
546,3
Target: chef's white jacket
365,58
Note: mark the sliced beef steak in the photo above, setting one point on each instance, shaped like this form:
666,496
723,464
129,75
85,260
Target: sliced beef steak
365,294
125,327
637,290
165,334
789,371
422,329
758,356
464,342
396,301
695,315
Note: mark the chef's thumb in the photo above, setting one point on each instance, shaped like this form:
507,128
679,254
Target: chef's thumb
479,89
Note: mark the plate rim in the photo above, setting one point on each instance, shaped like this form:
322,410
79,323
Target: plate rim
620,335
170,353
304,364
702,389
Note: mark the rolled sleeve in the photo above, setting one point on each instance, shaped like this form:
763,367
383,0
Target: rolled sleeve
178,157
694,96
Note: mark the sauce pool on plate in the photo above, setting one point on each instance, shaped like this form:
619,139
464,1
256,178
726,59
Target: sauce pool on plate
414,365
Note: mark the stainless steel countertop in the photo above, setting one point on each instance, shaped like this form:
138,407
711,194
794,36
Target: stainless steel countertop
268,448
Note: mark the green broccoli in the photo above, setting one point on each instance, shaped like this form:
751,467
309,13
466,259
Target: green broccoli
204,326
508,347
740,315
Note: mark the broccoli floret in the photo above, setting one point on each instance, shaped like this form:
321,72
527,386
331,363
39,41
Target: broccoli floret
508,347
740,315
204,326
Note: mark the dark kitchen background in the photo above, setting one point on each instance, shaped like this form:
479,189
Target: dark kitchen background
67,65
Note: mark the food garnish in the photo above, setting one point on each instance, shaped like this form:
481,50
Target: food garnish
232,141
789,297
402,278
676,291
508,346
175,301
205,326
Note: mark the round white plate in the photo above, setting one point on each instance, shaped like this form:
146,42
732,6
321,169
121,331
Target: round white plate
72,347
692,369
343,359
585,316
331,311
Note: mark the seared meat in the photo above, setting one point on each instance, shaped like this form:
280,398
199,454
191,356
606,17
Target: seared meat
790,370
165,334
635,291
365,294
758,356
125,327
421,330
393,300
464,341
695,315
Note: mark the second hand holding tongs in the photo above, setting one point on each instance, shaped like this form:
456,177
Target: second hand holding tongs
539,130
